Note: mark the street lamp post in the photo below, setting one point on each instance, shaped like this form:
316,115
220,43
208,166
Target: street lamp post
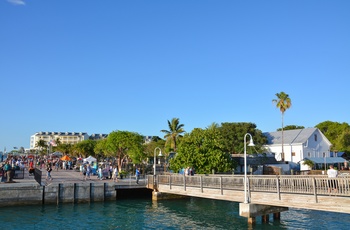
155,158
245,164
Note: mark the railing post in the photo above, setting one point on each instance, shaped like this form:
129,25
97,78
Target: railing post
170,181
222,192
184,182
201,183
315,189
278,187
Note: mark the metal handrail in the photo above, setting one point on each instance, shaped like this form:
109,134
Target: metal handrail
300,184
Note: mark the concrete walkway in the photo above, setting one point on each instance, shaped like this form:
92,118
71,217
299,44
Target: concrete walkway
70,176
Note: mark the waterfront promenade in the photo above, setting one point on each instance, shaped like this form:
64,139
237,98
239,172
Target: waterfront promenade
69,176
67,186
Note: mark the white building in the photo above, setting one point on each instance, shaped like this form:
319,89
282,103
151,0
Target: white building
298,144
98,136
65,137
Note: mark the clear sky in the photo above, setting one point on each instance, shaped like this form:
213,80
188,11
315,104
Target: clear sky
103,65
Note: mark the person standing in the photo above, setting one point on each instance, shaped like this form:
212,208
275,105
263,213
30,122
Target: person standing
137,174
57,164
31,168
99,175
84,171
8,170
110,171
1,174
332,183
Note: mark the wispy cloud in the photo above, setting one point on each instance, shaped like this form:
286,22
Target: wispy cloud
17,2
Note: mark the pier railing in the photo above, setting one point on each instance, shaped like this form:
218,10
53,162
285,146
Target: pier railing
313,185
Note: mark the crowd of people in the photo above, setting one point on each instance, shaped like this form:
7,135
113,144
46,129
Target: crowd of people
48,164
12,163
9,166
104,171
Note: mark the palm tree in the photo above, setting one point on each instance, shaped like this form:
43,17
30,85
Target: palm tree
213,126
58,141
283,102
64,148
174,132
41,144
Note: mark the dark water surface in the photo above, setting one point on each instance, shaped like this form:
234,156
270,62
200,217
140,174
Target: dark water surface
192,213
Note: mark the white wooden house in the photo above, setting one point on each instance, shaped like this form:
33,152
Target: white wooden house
298,144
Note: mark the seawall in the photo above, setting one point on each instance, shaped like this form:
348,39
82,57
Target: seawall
26,194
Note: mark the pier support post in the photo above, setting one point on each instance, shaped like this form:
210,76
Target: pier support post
277,216
251,220
265,218
251,211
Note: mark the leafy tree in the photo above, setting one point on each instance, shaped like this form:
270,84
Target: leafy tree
283,102
100,148
125,144
232,135
309,163
337,133
174,133
65,148
85,148
150,147
291,127
202,150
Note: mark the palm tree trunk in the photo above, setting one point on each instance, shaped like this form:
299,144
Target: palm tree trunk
282,140
174,140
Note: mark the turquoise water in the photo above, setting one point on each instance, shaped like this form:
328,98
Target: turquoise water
192,213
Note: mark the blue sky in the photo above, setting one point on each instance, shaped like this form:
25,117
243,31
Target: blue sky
100,66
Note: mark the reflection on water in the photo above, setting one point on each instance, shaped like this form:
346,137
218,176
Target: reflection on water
192,213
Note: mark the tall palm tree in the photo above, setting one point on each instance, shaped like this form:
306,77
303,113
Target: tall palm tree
283,102
174,132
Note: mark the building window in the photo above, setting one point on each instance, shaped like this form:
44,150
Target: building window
315,136
324,154
308,154
293,154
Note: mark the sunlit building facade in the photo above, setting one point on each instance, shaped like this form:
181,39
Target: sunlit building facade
51,137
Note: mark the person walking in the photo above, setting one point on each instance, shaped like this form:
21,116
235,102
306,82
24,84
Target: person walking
137,174
48,172
88,171
115,174
332,183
